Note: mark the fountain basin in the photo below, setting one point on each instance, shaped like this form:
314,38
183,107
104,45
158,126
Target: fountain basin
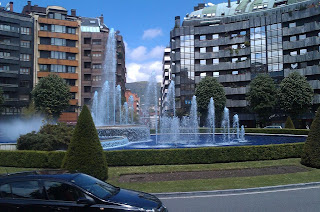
205,141
131,132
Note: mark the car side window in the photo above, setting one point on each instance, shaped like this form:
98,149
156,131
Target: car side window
62,191
5,191
26,190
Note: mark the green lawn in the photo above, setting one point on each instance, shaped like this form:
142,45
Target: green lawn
311,175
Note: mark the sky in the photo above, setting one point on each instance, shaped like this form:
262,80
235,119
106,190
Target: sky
144,24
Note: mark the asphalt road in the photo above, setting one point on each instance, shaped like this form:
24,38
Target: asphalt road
305,199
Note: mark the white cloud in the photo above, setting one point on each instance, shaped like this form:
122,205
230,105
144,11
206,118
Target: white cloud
142,71
141,53
151,33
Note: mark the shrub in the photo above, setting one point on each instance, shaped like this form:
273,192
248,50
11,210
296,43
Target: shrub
85,153
49,138
207,155
311,151
289,124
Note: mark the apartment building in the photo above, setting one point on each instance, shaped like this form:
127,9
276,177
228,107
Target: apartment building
16,60
136,100
166,79
235,41
57,50
94,40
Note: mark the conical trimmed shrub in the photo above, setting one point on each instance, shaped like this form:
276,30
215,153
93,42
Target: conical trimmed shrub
289,124
311,151
85,153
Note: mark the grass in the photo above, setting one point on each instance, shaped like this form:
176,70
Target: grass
311,175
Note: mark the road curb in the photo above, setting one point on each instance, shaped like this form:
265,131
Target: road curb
236,191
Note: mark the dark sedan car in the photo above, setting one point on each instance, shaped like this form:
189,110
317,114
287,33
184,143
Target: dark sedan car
61,191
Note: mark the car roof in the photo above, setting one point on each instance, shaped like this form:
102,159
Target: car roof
41,174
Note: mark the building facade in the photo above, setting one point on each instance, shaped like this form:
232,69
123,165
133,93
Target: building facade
16,60
166,78
235,41
57,50
93,45
136,101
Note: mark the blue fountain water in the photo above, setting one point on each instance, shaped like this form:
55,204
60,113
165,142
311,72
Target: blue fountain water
211,120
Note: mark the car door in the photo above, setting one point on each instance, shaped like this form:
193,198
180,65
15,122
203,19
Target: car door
63,197
22,196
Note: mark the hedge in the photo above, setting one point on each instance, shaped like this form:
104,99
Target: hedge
207,155
259,130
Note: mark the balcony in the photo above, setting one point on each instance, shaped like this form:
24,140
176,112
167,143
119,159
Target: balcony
9,72
9,85
58,48
236,103
58,62
58,22
311,41
309,70
236,91
234,78
73,102
62,75
314,55
222,66
58,35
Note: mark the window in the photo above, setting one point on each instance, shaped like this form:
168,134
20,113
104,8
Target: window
26,190
58,28
215,74
25,44
203,75
87,40
243,58
87,89
44,27
24,97
25,30
96,42
203,50
97,55
58,68
62,191
71,30
293,38
234,46
203,62
5,190
215,36
24,70
58,42
44,68
242,45
234,60
235,72
24,57
292,24
301,37
303,51
215,49
58,16
24,84
71,56
215,61
4,54
4,68
5,41
96,66
234,35
58,55
294,65
96,78
243,33
203,37
71,69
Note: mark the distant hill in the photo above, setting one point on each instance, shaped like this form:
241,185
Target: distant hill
140,88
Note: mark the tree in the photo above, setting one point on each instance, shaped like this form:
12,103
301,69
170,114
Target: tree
49,138
295,95
207,88
51,96
85,153
262,97
29,111
289,124
311,151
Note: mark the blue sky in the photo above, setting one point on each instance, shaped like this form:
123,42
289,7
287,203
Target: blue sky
144,24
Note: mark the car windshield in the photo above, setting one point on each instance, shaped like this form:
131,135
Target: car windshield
95,186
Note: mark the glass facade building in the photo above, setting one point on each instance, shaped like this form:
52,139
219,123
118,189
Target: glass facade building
235,43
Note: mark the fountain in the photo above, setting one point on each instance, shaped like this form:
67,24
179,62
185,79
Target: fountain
109,116
211,119
225,125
